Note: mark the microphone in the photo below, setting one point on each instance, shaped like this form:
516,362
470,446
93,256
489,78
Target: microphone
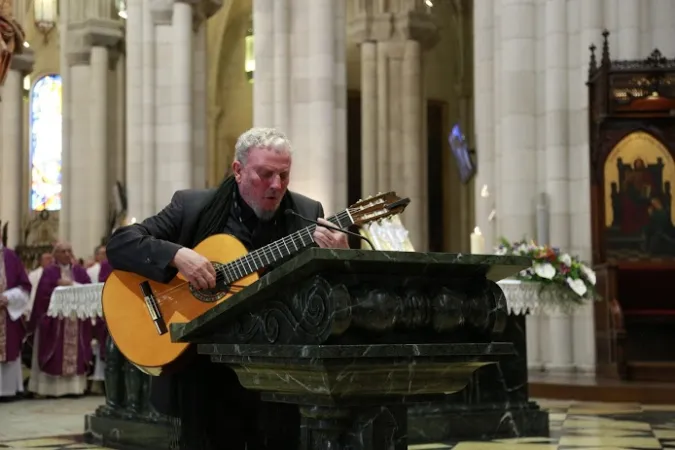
290,212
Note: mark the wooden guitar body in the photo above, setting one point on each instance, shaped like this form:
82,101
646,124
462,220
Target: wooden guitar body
129,319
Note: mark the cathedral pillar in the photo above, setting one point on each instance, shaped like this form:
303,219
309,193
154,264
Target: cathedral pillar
393,104
300,87
66,122
483,42
662,26
591,25
264,13
199,106
175,170
281,60
556,155
13,143
134,162
93,38
629,30
369,160
166,108
518,155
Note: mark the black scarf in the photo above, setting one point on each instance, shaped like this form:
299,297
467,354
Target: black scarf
213,216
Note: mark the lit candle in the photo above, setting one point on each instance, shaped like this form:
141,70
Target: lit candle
477,242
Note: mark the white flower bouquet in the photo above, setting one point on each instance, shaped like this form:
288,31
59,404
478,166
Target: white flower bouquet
553,269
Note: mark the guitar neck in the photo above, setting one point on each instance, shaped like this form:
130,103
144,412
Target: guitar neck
280,249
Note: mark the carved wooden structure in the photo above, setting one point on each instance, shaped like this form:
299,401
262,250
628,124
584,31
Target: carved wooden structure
11,38
632,148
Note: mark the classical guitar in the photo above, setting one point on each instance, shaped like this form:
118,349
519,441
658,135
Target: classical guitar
139,311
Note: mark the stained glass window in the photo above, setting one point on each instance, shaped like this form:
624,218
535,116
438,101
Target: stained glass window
45,144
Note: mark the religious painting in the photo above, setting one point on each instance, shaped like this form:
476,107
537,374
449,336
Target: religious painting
639,174
45,144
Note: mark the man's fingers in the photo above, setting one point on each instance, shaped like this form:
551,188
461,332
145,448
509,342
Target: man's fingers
211,270
210,279
199,282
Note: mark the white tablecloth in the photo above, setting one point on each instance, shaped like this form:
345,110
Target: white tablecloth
82,301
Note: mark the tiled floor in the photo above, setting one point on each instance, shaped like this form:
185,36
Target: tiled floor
578,426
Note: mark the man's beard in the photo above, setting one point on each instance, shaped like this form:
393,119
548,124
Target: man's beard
264,215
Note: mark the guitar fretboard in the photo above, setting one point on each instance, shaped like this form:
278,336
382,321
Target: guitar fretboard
277,250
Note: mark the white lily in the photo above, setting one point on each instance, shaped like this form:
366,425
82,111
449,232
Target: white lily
566,259
578,286
588,273
544,270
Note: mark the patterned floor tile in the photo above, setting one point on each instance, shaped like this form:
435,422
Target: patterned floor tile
50,424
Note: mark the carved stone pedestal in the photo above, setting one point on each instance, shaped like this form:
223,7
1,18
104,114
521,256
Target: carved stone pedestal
127,420
356,350
495,404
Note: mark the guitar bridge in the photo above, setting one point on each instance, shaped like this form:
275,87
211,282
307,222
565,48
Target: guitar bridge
153,308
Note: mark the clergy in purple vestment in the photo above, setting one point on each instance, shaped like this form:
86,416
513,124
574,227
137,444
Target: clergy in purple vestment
14,298
63,345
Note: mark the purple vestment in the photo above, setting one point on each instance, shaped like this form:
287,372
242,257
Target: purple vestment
100,329
12,332
64,346
105,271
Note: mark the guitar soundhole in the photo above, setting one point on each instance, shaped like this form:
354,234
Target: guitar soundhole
215,294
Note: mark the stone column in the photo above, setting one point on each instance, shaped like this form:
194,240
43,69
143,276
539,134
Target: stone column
160,61
592,23
414,176
264,51
66,123
369,161
89,59
281,60
340,106
199,106
557,155
518,158
663,26
317,136
135,182
12,146
646,28
497,193
393,104
118,158
176,171
629,30
484,50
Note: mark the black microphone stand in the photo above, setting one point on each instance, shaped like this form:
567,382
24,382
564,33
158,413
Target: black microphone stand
290,212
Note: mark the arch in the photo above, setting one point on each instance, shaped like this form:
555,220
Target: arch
638,146
45,153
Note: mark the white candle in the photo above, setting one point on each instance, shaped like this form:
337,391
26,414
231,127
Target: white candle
477,242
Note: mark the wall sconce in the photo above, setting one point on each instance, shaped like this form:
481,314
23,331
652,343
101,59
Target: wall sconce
249,55
45,14
121,7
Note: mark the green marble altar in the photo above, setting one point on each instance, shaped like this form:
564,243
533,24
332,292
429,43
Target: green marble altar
359,347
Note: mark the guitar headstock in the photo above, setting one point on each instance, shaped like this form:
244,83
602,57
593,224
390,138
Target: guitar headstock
377,207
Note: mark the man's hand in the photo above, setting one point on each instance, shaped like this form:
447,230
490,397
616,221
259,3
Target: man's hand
3,301
327,238
198,270
64,282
